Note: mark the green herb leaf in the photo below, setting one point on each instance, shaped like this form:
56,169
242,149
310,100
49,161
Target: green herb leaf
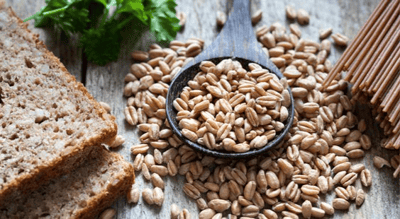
163,21
92,39
99,31
71,16
134,7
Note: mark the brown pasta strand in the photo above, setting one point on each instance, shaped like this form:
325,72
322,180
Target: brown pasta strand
396,128
380,78
372,62
373,51
382,59
375,82
386,80
395,118
367,30
383,56
396,172
356,69
392,95
341,63
396,112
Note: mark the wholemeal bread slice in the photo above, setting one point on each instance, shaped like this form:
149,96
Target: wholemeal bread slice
48,121
82,193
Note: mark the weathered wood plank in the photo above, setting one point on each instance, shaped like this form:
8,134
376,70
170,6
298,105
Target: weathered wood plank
65,49
106,84
346,17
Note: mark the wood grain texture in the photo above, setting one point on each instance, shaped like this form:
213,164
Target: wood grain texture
345,17
237,39
106,84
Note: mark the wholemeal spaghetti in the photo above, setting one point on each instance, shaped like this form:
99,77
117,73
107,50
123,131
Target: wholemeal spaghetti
372,62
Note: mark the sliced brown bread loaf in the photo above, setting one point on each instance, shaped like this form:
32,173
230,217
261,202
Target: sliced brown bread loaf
83,193
48,120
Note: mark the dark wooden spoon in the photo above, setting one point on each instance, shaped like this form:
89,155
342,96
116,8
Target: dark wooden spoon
238,42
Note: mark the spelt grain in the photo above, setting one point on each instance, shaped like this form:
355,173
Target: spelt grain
360,197
379,162
303,17
340,204
108,214
290,12
147,195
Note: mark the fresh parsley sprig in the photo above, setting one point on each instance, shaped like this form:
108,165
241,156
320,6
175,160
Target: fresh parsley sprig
100,31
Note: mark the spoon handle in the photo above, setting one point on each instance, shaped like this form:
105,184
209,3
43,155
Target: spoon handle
237,34
236,39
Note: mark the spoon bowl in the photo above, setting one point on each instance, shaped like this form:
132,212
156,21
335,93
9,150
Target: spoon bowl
238,42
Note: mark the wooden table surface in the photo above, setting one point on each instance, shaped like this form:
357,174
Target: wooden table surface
106,84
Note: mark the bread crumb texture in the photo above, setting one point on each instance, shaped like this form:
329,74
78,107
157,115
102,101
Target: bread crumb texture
47,119
83,193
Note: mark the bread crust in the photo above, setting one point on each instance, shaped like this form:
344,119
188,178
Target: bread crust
72,156
100,202
120,179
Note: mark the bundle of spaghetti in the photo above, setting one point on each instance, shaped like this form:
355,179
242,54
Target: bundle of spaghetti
372,63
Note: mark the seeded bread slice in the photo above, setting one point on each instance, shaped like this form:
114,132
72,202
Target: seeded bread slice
83,193
48,121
